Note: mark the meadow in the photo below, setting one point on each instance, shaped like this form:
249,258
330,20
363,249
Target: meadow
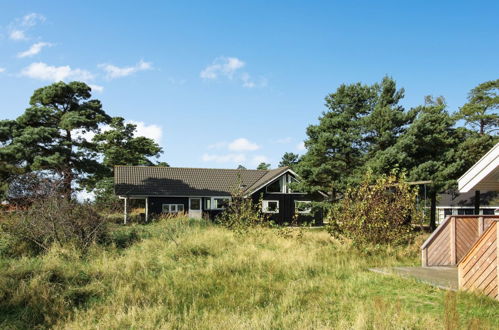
191,274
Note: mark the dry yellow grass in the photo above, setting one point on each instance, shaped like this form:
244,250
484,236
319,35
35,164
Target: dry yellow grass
188,275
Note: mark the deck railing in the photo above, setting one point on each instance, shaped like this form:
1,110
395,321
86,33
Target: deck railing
453,239
479,268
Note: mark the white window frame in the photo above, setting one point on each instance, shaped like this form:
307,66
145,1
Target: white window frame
265,206
307,211
172,208
285,180
212,202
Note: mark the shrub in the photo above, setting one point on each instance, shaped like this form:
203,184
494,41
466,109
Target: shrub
377,211
58,221
241,214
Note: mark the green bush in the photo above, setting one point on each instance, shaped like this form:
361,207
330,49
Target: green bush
242,214
378,211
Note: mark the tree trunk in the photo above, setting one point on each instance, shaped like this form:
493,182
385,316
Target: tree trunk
68,171
433,210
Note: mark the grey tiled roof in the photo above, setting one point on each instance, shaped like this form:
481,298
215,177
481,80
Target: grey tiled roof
181,181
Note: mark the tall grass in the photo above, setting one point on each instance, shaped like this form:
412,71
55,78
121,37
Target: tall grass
190,274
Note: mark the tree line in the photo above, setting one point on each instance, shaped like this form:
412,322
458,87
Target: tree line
66,133
365,128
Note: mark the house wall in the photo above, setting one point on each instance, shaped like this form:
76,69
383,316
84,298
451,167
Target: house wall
287,207
156,205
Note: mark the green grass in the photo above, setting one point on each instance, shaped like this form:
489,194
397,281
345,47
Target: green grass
192,275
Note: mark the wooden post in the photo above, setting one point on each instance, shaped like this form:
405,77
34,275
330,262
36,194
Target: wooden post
147,209
424,257
452,241
125,209
477,202
480,226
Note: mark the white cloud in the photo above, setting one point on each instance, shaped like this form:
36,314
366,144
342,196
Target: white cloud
2,70
226,158
19,27
34,49
17,35
32,19
151,131
243,144
113,71
259,159
42,71
301,146
96,88
225,66
229,67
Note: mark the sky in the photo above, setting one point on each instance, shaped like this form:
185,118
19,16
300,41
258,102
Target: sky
223,83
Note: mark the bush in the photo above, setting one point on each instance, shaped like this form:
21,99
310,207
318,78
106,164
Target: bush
378,211
241,214
57,221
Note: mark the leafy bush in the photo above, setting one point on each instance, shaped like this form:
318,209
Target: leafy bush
378,211
241,214
57,221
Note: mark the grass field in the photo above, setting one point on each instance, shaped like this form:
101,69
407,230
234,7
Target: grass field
192,275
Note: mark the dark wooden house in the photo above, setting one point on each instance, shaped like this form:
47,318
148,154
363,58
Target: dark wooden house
205,191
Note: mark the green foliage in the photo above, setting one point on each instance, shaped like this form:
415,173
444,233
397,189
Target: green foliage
289,159
263,166
379,211
361,120
120,146
48,135
481,110
241,214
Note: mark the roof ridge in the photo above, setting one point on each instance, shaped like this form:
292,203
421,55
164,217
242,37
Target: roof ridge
200,168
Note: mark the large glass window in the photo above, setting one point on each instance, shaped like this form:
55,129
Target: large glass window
275,187
220,202
303,207
172,208
270,206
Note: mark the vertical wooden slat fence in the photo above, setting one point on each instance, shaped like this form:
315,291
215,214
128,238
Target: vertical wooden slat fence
479,268
453,239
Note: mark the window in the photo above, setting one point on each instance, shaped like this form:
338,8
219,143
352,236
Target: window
465,211
303,207
216,203
281,185
447,212
220,202
270,206
292,180
195,204
172,208
275,187
488,211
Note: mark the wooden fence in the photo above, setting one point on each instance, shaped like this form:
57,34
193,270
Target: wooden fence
453,239
479,268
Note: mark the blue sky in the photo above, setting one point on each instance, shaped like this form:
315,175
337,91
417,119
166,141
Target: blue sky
219,84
